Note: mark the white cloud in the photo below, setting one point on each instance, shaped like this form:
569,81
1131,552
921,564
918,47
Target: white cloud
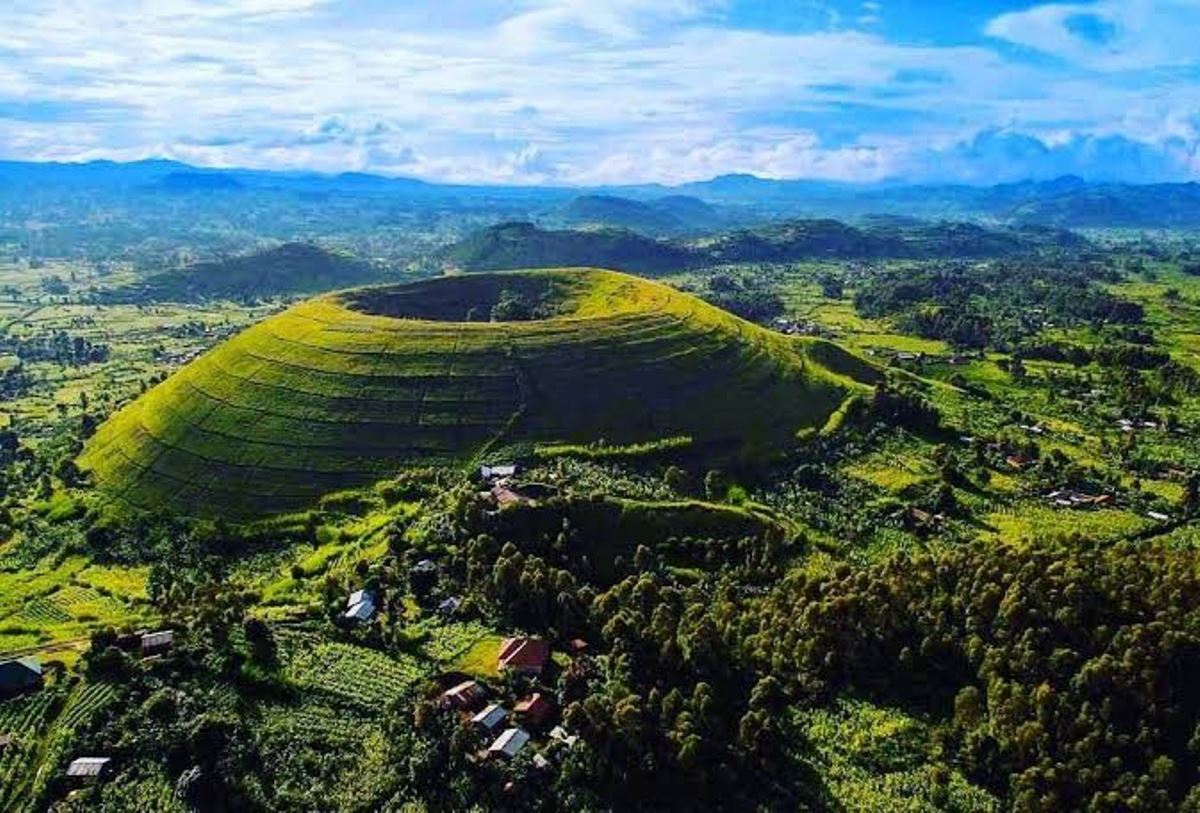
557,90
1109,35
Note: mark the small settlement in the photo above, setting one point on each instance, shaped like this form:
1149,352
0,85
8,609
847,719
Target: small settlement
25,675
500,487
508,727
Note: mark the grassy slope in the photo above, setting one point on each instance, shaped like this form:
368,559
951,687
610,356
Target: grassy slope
286,269
324,396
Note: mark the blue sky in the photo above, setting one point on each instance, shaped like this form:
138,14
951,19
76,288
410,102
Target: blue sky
612,91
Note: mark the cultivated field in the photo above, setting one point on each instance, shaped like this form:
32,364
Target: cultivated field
344,390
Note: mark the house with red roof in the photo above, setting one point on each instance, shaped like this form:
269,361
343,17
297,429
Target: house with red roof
534,710
525,655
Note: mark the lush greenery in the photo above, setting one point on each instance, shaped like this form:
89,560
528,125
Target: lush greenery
331,394
895,532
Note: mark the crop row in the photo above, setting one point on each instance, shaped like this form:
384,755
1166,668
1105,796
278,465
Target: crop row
86,703
363,677
23,715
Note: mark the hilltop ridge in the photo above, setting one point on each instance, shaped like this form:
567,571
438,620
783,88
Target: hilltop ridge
346,389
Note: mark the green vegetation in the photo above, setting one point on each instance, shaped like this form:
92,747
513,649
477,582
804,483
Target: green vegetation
292,268
343,390
915,530
510,246
672,214
523,245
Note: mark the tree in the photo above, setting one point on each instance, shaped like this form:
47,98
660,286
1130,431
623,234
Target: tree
1190,501
715,485
263,650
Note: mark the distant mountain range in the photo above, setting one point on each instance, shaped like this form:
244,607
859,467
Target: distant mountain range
651,209
524,245
671,214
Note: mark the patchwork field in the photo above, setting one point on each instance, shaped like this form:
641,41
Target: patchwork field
345,389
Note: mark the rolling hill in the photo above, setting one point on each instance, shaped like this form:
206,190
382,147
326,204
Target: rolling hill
523,245
346,389
510,246
292,268
673,214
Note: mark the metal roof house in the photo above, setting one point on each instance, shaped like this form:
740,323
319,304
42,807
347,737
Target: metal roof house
562,735
360,606
510,743
154,642
497,471
490,718
89,768
20,675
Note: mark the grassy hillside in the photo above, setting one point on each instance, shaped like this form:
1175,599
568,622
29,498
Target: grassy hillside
522,245
343,390
510,246
673,214
287,269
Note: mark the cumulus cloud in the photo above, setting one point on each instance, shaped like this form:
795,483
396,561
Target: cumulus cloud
575,91
993,156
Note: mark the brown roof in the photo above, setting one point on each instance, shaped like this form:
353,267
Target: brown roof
466,694
523,653
1018,461
919,515
535,701
506,496
534,708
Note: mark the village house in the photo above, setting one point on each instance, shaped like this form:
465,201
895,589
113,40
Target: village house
509,744
87,769
918,518
499,471
1158,516
491,718
449,606
1070,498
1018,462
154,643
560,734
466,696
20,675
360,605
525,655
503,495
534,710
577,647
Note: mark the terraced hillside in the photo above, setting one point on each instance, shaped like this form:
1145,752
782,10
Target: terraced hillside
345,389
